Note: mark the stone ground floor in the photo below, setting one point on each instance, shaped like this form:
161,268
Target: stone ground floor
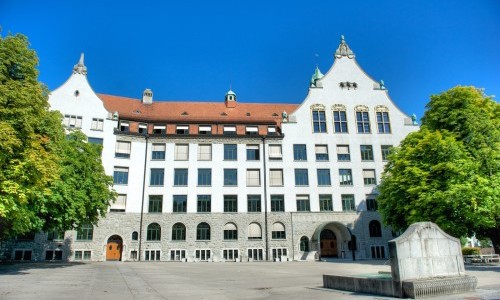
175,280
214,237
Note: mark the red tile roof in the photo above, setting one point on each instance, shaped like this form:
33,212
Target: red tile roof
195,112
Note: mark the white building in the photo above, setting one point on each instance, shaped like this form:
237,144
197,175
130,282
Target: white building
224,181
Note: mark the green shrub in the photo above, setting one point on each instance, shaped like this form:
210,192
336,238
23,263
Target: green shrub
470,251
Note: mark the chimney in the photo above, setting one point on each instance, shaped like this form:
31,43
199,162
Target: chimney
147,96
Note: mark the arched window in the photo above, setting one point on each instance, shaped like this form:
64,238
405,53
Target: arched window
135,236
254,231
178,232
278,231
203,232
230,231
304,244
153,232
375,229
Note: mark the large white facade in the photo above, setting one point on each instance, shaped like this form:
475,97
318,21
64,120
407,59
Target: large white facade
314,167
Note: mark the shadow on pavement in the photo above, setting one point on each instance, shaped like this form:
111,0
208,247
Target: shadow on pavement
25,267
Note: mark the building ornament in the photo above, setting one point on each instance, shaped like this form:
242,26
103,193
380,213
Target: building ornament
80,67
348,85
339,107
317,107
361,108
344,49
381,108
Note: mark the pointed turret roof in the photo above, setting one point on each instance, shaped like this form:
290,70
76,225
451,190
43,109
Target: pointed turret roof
80,67
343,49
317,75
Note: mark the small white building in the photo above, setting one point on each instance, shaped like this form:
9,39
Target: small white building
231,181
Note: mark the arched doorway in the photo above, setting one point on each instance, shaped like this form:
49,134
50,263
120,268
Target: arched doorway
328,243
114,248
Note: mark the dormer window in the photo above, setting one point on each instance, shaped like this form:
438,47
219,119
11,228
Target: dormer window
252,130
271,130
159,129
205,129
143,128
229,130
124,126
182,129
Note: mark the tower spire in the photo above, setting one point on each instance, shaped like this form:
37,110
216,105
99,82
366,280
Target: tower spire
343,49
80,67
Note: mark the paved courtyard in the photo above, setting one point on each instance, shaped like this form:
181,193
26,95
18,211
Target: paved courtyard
162,280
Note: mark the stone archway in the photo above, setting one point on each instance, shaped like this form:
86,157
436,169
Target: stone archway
332,239
114,248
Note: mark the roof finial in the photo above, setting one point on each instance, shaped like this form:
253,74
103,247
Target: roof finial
343,49
80,67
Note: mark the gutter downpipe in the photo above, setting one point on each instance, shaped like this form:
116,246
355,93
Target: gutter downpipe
265,195
146,137
293,243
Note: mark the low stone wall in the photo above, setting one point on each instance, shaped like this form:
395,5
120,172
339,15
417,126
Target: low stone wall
423,288
377,286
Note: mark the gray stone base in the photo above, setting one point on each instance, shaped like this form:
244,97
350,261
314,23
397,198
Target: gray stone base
422,288
377,286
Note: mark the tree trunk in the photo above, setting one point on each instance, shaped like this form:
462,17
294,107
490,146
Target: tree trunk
495,240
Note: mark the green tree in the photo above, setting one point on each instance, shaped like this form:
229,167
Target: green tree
448,171
35,172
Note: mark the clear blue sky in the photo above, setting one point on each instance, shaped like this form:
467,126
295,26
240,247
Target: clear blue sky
194,50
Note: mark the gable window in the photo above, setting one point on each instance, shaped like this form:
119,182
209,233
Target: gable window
122,149
230,203
230,177
348,203
299,152
230,152
319,121
204,177
204,129
386,150
181,152
301,177
345,176
303,203
143,128
124,126
157,177
180,177
369,177
252,130
119,204
253,177
363,122
343,153
340,121
325,203
72,121
182,129
253,203
383,123
97,124
205,152
155,204
321,152
120,175
159,129
324,177
180,203
366,152
275,152
158,152
229,130
204,203
253,152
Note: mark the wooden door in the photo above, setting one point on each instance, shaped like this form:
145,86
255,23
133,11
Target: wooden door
114,250
328,243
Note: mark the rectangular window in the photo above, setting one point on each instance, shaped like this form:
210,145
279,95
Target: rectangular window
182,129
253,152
378,252
152,255
366,152
277,203
299,152
383,123
275,152
363,121
85,232
229,130
97,124
143,129
202,254
303,203
72,121
124,126
159,129
301,177
230,254
205,152
252,130
180,203
180,177
369,177
158,152
230,152
83,255
371,203
324,177
205,129
155,204
230,203
253,177
53,255
120,175
253,203
386,150
119,204
181,152
177,254
255,254
348,203
276,177
345,177
230,177
277,253
204,177
122,149
55,235
343,153
94,140
157,177
319,121
321,152
340,121
23,254
133,255
271,130
325,203
204,203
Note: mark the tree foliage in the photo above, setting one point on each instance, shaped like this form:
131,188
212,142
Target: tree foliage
448,171
34,150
